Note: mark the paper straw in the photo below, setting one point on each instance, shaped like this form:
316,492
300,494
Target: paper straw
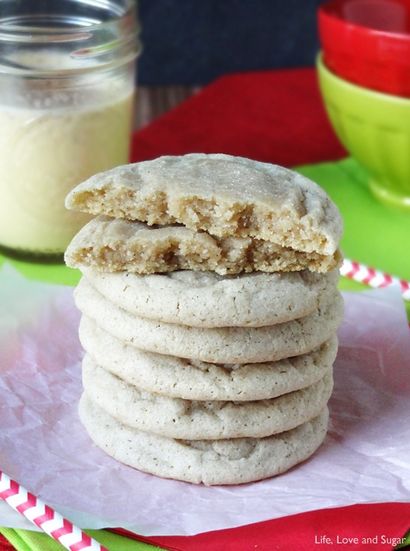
43,516
374,278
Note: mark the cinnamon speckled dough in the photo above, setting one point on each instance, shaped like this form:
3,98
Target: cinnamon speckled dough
203,461
115,245
194,380
226,196
205,299
202,420
218,345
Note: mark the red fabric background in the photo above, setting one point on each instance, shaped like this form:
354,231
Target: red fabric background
5,545
298,532
274,116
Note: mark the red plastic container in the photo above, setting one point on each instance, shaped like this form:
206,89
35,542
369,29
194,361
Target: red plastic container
368,42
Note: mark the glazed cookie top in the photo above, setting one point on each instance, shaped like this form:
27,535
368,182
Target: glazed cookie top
224,195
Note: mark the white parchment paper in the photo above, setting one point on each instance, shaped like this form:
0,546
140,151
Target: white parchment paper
365,457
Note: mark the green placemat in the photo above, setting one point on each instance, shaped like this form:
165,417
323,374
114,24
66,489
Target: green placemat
374,235
50,273
24,540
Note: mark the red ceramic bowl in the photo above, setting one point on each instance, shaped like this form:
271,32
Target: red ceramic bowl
368,42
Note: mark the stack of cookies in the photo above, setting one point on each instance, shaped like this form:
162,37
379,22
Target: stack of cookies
209,315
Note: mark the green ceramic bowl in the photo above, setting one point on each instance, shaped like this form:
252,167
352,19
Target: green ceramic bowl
375,129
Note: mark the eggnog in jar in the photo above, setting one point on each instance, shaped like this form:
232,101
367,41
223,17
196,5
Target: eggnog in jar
45,151
67,78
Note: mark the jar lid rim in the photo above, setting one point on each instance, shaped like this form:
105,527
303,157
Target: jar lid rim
77,25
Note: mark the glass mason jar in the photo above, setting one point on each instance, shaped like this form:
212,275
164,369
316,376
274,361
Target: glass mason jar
67,74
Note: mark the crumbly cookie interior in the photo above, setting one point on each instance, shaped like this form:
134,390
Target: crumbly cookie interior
219,218
172,252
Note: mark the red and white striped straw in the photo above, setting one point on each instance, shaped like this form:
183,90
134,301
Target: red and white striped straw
43,516
374,278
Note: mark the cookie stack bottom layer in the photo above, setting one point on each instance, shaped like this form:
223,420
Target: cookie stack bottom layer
204,404
211,462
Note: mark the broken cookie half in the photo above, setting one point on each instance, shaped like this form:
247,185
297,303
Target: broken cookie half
113,245
225,196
